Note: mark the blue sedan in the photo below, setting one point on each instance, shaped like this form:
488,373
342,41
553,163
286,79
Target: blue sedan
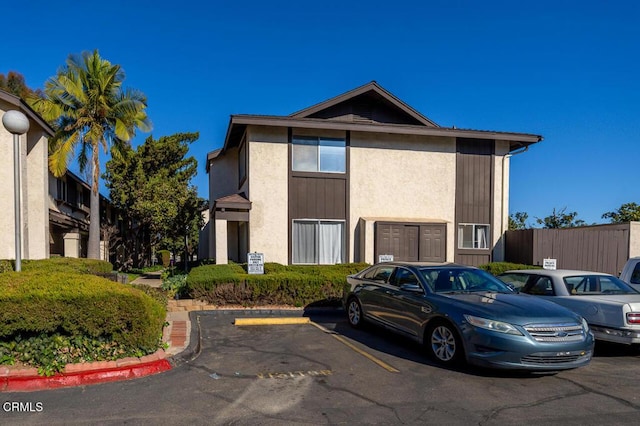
461,313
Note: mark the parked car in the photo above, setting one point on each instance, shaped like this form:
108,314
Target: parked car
610,306
631,273
461,313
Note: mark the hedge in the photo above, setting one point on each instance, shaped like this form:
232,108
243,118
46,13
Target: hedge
497,268
296,285
68,264
36,302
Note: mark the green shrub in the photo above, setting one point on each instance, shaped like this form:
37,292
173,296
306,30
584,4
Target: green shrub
6,266
497,268
296,285
174,285
165,257
68,264
43,304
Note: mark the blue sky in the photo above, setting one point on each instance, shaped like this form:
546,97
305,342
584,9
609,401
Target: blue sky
567,70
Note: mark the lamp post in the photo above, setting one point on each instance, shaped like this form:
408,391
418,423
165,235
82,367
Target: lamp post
17,124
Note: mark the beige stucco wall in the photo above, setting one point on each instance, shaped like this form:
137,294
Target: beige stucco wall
634,239
268,192
34,199
500,198
396,176
37,197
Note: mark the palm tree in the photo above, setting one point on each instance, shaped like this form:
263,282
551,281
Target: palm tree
87,106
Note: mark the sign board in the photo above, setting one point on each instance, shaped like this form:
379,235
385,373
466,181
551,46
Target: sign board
385,258
255,263
549,263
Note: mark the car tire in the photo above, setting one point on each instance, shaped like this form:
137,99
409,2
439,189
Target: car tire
443,343
354,313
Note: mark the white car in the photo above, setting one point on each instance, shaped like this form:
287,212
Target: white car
610,306
631,272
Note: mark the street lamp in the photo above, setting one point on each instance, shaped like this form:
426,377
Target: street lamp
17,124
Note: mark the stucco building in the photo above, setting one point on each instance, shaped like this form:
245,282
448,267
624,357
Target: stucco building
355,177
34,182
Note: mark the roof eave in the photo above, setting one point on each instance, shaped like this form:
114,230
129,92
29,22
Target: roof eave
27,110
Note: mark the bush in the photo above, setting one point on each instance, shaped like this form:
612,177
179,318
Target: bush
174,285
50,305
165,257
296,285
68,264
497,268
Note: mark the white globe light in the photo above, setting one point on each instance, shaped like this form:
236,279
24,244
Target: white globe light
15,122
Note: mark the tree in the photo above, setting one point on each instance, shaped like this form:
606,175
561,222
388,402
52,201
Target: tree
560,219
627,212
88,108
151,187
518,220
14,83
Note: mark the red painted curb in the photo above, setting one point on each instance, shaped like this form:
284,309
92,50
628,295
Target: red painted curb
33,383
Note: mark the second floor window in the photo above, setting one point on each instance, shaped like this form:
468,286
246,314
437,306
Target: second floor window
312,154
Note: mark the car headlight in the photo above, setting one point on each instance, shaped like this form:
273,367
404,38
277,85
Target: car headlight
493,325
585,326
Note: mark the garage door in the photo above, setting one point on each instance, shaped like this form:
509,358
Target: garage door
411,242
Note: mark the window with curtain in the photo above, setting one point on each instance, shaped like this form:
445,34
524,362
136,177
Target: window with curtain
473,236
318,242
312,154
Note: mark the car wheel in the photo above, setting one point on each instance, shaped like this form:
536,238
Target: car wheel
443,344
354,312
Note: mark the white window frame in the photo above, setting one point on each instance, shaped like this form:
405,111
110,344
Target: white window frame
318,145
319,222
477,239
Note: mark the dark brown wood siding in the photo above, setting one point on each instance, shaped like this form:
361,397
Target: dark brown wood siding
474,196
317,198
411,242
603,248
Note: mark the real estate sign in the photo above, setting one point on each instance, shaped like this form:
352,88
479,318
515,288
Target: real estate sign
255,263
549,263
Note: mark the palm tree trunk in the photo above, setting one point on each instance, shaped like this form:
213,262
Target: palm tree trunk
93,249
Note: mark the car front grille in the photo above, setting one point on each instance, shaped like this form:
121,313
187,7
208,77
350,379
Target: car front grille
554,333
552,359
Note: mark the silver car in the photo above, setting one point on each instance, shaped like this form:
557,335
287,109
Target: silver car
462,313
610,306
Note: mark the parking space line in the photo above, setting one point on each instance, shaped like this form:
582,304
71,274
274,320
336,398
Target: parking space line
272,321
358,350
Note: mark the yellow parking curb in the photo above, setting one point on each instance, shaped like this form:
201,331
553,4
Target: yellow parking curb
272,321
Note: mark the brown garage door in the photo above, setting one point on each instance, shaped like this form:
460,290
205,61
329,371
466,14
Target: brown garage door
411,242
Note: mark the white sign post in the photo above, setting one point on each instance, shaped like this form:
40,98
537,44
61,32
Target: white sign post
385,258
549,264
255,263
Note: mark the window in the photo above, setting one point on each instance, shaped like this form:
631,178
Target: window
404,276
318,155
381,273
473,236
318,241
242,163
635,276
62,190
542,287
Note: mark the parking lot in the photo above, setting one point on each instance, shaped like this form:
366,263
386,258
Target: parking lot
324,372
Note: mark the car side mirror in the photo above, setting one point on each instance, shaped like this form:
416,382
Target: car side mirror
411,288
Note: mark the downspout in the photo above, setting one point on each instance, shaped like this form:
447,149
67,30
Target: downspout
504,195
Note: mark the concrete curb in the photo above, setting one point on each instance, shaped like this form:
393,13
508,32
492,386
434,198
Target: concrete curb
26,383
272,321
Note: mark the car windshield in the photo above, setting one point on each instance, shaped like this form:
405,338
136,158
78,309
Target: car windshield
596,284
464,280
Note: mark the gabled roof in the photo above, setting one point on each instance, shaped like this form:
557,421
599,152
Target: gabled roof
26,110
380,104
368,108
233,201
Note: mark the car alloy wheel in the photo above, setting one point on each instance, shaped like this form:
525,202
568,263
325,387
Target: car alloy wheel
444,344
354,312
